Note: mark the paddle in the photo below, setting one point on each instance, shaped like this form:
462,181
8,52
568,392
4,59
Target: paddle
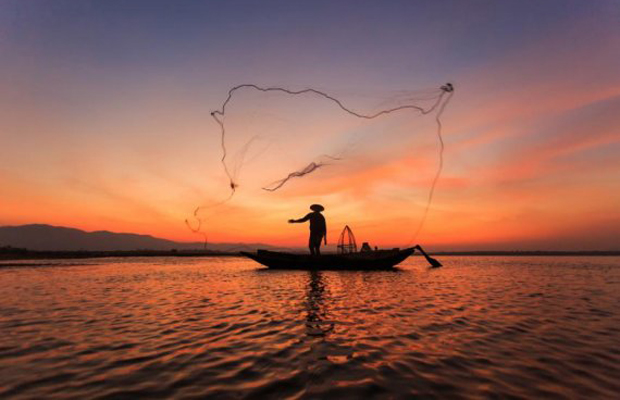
433,262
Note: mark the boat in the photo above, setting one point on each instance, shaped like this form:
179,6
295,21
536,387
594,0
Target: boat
365,260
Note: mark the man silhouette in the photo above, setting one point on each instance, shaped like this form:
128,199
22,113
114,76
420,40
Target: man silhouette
318,228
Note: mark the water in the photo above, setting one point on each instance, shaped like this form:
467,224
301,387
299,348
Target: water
507,327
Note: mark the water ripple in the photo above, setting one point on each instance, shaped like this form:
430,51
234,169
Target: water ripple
520,327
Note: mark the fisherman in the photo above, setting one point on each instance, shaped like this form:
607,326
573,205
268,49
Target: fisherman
318,228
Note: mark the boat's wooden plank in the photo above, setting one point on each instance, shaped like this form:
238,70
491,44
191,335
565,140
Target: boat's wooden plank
384,259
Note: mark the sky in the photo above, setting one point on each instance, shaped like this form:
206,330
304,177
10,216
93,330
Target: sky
105,119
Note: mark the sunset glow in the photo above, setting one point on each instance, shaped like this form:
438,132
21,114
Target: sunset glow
105,125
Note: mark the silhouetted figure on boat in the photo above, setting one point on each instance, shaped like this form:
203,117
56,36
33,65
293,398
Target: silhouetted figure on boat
318,228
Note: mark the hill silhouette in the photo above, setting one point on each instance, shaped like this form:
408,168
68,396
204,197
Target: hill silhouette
41,237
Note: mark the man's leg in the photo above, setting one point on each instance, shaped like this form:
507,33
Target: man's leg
315,244
311,245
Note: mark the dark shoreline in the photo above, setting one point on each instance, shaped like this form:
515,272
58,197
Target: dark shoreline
21,254
605,253
12,254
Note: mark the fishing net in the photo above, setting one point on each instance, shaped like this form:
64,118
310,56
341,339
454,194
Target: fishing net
364,155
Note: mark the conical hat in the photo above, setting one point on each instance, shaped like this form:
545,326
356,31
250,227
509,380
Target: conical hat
317,207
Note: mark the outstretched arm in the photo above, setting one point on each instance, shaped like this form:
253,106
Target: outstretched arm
296,221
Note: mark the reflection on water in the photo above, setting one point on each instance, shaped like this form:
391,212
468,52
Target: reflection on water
317,320
529,327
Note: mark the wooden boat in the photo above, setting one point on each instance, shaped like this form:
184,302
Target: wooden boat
370,260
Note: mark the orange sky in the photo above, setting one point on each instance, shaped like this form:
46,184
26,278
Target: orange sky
109,128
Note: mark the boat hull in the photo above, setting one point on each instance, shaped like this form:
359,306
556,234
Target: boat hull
372,260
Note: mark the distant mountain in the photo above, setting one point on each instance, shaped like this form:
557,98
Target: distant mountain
56,238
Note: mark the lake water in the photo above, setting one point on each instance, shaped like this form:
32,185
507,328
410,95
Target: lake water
480,327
